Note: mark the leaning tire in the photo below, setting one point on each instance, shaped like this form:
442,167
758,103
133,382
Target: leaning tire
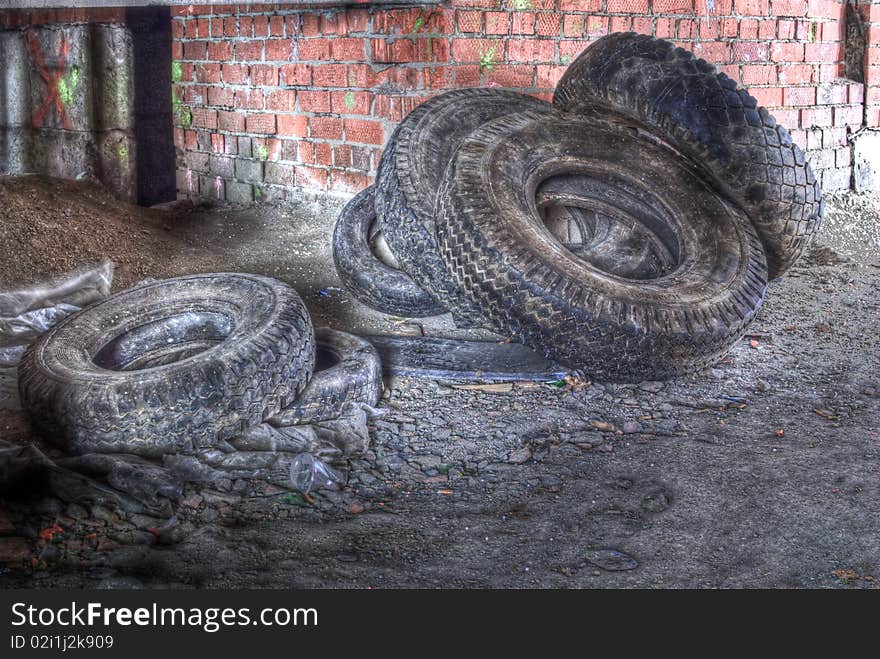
347,370
719,126
411,170
609,325
368,279
173,366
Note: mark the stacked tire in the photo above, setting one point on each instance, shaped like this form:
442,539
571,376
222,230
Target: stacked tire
626,230
182,365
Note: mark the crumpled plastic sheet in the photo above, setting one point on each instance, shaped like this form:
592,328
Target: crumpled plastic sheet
130,482
28,312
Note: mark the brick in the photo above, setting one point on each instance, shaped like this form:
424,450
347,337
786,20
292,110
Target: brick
628,6
522,23
822,52
831,93
264,75
580,5
220,96
220,51
795,74
325,127
311,177
296,74
750,52
230,121
752,7
512,75
597,26
249,51
203,118
819,117
195,50
330,75
351,102
672,7
787,52
342,155
234,74
497,22
785,30
712,51
795,96
260,123
364,131
768,96
767,29
748,28
249,99
278,50
324,154
208,73
469,21
848,115
278,174
347,49
293,125
314,101
834,137
472,50
283,100
239,193
531,50
548,25
758,74
222,166
814,138
572,25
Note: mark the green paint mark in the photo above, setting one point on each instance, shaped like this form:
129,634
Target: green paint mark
294,500
67,85
176,72
487,58
263,152
122,151
349,100
420,21
565,59
258,193
522,5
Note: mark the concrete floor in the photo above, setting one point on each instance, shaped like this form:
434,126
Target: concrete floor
532,486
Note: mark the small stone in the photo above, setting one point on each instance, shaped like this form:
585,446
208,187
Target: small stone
762,385
611,560
355,507
630,427
651,386
192,501
520,456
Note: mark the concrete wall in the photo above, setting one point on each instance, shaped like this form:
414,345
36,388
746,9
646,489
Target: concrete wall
66,94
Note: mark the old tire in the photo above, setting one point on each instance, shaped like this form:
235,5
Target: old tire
613,327
411,171
173,366
367,278
347,370
709,119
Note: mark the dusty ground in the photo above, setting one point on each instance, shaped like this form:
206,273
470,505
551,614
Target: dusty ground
763,471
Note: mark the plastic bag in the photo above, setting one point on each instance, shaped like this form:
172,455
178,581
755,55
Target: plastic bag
25,314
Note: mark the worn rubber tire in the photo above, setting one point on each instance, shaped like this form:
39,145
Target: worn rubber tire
709,119
367,278
411,170
499,252
347,370
173,366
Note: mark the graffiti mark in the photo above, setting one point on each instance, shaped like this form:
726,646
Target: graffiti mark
52,80
68,84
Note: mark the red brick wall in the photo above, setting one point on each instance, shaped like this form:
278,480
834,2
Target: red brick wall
272,98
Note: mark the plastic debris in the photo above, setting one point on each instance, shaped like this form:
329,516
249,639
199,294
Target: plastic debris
308,473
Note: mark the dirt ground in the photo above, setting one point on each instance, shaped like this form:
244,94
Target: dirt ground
763,471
